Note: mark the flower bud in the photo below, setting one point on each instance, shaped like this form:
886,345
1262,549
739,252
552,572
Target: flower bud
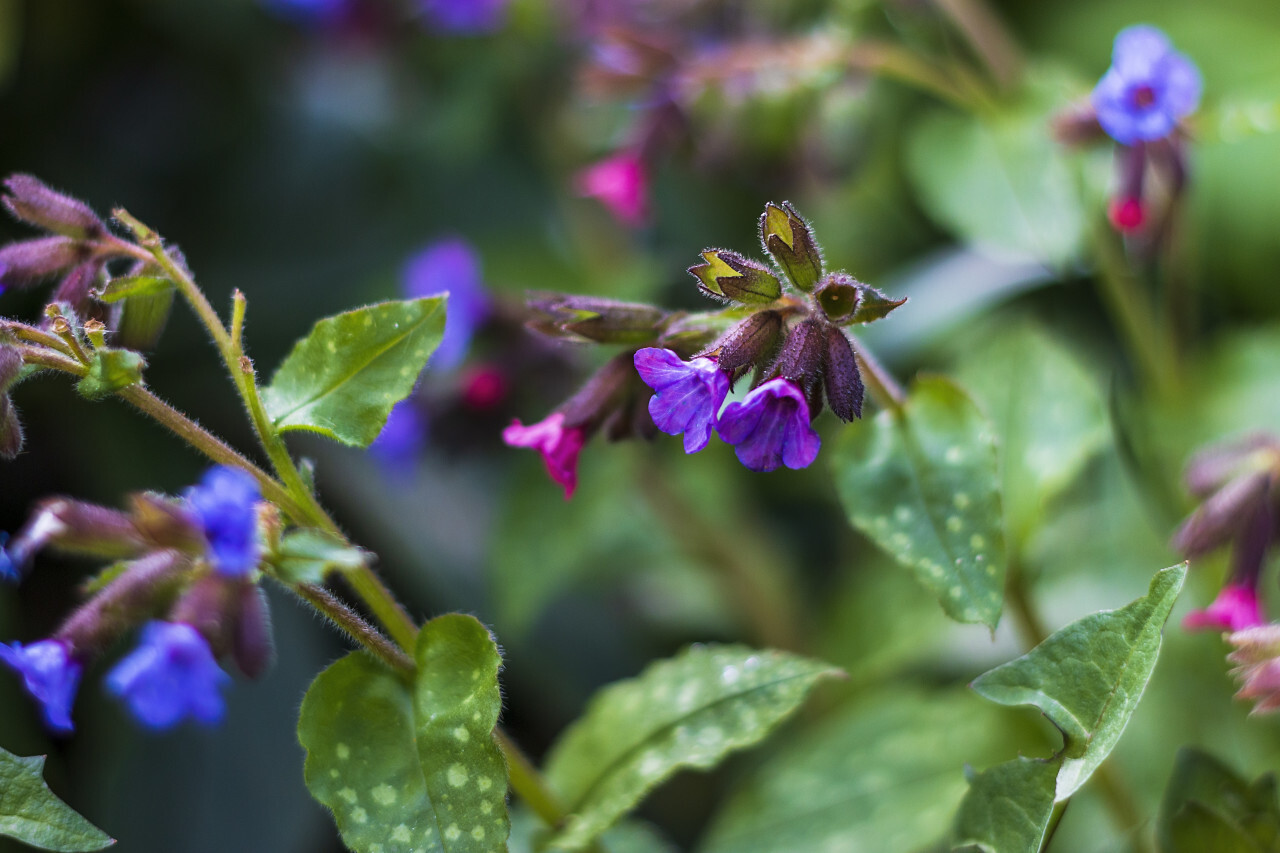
787,237
10,365
751,342
728,275
29,261
211,606
801,361
10,429
843,381
587,318
134,595
252,646
1219,518
76,527
33,202
1212,468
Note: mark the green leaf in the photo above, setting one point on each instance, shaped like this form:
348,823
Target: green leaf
109,371
1048,415
629,836
1208,806
1088,677
412,767
308,556
1001,180
125,286
922,484
32,814
688,711
342,379
885,774
1007,808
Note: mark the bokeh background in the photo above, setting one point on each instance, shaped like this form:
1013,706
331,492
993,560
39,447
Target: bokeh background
304,157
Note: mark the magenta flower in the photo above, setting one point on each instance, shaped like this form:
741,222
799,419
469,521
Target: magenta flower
771,428
1236,608
621,184
50,675
171,675
687,394
1147,89
559,447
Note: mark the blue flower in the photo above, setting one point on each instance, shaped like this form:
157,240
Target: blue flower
401,440
50,675
1148,88
450,265
171,675
464,17
687,394
225,503
771,428
8,571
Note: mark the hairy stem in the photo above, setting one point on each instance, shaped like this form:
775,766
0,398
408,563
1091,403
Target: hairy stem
31,334
384,605
354,625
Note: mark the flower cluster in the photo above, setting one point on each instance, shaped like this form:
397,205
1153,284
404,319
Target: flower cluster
191,560
784,329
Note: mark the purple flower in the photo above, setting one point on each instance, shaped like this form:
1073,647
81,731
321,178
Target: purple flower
226,505
401,440
50,675
464,17
450,265
1235,609
171,675
771,428
8,571
687,394
1147,89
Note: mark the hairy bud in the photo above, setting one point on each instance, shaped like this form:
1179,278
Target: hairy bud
787,237
751,342
34,202
252,646
10,429
10,365
587,318
728,275
802,359
843,381
29,261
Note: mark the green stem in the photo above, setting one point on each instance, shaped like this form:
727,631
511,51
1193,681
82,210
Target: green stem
1133,314
1055,820
884,389
990,40
31,334
529,784
352,624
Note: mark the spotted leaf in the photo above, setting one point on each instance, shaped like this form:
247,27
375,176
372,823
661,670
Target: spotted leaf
342,379
689,711
412,768
922,483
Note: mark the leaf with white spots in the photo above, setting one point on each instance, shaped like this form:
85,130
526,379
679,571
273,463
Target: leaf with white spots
883,773
1048,415
342,379
688,711
1087,678
412,768
922,483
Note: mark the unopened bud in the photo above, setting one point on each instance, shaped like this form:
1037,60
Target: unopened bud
751,342
787,237
252,645
27,262
843,380
728,275
1221,515
801,360
10,365
77,286
76,527
132,596
839,295
210,606
587,318
1212,468
34,202
10,429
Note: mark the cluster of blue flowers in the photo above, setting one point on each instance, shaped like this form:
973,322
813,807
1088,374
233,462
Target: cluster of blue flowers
768,429
173,673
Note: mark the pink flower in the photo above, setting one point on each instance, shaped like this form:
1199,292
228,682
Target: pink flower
559,447
1235,609
1127,215
621,184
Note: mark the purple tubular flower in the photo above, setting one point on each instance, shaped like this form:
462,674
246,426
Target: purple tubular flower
1147,89
171,675
687,394
50,675
225,503
450,265
464,17
771,428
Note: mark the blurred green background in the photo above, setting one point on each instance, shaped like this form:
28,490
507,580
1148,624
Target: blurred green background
303,164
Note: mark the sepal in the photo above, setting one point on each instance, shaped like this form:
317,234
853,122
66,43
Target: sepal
873,305
728,275
787,237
